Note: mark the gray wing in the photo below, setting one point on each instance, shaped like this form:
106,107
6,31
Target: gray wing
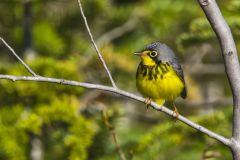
178,69
166,54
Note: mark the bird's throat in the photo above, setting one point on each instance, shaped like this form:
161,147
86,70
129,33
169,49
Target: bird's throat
147,61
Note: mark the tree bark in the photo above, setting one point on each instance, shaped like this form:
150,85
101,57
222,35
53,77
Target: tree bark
232,68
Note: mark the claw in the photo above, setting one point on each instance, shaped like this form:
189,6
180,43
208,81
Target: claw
148,102
176,112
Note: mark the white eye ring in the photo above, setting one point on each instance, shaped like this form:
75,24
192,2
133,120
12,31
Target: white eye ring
153,54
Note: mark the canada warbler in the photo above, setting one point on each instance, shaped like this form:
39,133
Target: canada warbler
159,75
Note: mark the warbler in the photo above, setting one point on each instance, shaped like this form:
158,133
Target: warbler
159,75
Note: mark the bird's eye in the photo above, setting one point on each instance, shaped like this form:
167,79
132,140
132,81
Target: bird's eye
153,53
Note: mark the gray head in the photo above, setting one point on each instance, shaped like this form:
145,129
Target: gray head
156,52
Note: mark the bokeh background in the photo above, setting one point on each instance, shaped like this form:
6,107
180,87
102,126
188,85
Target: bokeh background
54,122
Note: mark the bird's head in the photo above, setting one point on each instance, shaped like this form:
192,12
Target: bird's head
155,53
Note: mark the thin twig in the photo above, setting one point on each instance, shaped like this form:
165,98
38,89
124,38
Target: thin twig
120,152
118,31
163,109
113,34
14,53
95,46
113,133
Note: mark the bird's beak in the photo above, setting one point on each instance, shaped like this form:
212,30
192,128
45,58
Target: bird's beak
138,53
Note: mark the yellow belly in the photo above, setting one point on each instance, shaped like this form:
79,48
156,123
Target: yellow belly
167,86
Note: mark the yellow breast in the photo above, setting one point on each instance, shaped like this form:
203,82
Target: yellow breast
159,82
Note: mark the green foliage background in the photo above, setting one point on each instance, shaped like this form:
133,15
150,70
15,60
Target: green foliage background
67,120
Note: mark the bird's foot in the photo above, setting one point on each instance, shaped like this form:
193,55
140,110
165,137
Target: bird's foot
147,101
175,112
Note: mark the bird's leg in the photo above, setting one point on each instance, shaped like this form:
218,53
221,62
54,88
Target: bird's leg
147,101
175,111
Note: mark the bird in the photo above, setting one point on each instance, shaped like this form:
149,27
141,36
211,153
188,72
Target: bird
159,75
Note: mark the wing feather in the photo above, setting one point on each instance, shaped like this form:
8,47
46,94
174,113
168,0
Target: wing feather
178,69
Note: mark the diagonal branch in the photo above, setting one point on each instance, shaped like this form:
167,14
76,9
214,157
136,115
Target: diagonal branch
14,53
115,33
113,133
119,31
95,46
163,109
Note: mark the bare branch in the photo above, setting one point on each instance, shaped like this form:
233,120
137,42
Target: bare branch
113,133
163,109
115,33
14,53
120,152
231,63
95,46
